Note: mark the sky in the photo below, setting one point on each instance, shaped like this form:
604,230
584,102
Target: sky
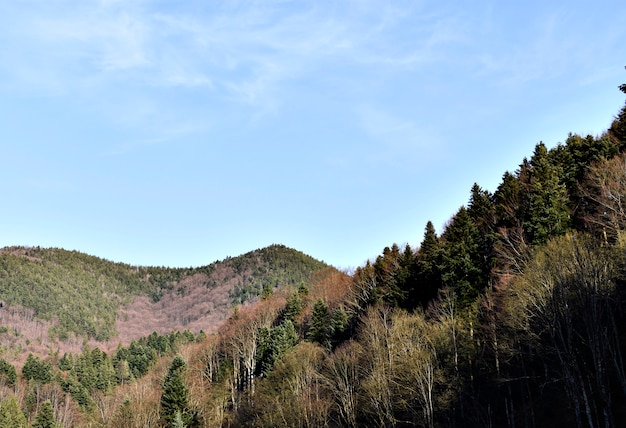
178,133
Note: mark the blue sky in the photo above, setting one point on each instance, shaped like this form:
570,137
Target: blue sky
180,133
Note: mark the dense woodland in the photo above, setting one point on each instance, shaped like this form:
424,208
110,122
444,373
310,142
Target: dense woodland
511,316
82,295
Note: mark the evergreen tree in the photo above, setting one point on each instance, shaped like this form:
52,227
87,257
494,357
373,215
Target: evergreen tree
480,206
37,370
617,131
427,271
175,396
8,372
319,329
392,276
463,265
66,362
45,416
125,416
294,306
548,213
339,325
267,291
272,344
406,277
11,415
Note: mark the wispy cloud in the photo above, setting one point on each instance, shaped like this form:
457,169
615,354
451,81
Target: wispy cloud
131,60
397,140
543,45
245,48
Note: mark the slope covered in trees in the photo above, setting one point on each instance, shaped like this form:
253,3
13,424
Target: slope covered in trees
512,316
59,295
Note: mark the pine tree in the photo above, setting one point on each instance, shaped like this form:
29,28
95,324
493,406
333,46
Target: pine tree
428,279
11,415
548,213
294,306
339,325
388,276
45,416
37,370
319,329
463,265
8,372
175,396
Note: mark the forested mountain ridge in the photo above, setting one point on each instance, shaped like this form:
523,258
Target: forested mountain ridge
513,316
71,295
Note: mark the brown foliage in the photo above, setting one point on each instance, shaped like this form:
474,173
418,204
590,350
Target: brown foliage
604,197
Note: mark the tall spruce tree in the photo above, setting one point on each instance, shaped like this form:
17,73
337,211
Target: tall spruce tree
11,415
45,416
175,396
428,279
548,212
462,263
320,327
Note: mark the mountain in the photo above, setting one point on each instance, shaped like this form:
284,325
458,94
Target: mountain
59,296
514,316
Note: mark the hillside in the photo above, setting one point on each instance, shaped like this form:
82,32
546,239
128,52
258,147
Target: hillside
511,316
514,315
66,296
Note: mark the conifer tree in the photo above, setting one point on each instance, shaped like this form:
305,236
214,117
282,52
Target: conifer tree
428,273
11,415
7,372
387,268
406,277
175,396
548,213
272,344
319,329
37,370
339,324
294,306
45,416
463,267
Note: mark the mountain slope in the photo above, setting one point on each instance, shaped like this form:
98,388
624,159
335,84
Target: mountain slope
82,295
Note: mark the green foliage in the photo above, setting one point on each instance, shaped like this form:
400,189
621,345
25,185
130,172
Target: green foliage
272,344
294,306
45,416
94,370
339,325
521,320
617,131
388,277
428,273
320,325
463,266
138,357
37,370
82,291
269,268
7,372
548,212
10,414
178,422
175,396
